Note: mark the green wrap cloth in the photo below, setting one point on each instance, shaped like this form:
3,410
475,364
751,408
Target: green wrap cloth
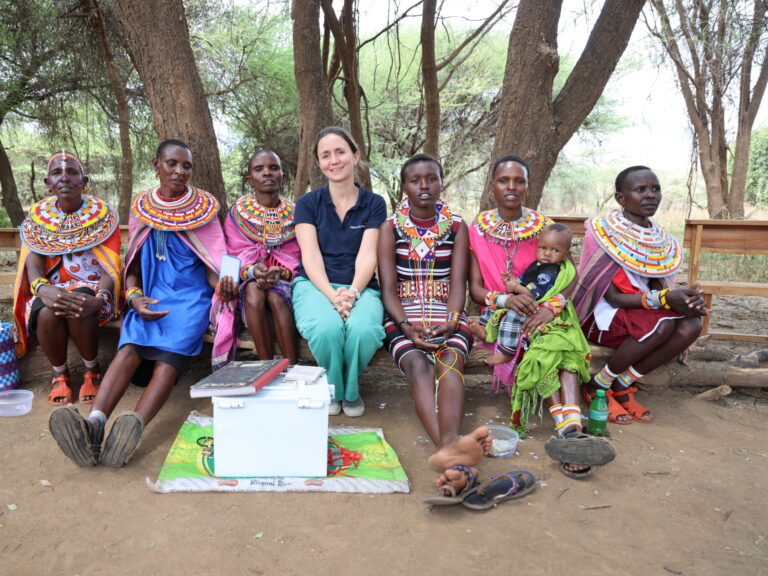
559,345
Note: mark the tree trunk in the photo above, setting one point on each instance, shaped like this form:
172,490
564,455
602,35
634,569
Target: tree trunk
429,78
10,193
345,51
126,158
158,39
530,123
314,101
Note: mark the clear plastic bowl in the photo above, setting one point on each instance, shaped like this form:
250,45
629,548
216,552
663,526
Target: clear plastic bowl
504,441
15,402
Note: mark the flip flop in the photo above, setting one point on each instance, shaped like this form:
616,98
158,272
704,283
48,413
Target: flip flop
455,497
500,488
123,439
577,474
75,436
580,449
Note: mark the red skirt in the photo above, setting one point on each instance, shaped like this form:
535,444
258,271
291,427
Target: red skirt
637,323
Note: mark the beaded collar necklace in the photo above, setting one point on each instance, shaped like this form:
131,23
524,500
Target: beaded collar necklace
51,232
191,210
423,239
495,229
272,227
649,252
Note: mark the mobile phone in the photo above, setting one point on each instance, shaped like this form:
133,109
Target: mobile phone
438,340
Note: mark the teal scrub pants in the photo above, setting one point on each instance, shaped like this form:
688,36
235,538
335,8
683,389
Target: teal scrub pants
344,349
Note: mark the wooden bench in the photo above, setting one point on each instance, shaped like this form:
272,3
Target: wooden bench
726,237
719,236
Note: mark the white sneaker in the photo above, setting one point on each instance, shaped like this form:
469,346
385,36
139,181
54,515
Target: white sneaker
334,408
353,409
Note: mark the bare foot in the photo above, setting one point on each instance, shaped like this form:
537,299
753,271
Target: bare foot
498,358
467,450
477,328
456,479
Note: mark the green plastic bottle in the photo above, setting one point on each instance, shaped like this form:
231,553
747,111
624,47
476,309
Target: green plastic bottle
598,414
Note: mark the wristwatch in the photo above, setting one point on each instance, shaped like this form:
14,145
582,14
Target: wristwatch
356,291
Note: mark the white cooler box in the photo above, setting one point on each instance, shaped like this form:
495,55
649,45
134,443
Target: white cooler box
282,430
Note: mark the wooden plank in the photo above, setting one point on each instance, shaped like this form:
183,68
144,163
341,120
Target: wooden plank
729,236
738,337
736,288
574,223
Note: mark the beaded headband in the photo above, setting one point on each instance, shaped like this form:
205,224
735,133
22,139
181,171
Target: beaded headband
61,158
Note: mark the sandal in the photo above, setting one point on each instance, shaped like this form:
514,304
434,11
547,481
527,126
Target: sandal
577,474
580,449
500,488
61,394
615,410
632,407
90,387
452,496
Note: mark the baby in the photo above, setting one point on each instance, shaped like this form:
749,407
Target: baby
504,326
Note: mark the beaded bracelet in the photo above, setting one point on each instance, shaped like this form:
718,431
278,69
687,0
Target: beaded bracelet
400,324
245,273
663,299
453,317
490,298
37,283
132,293
555,304
501,300
108,307
286,274
650,300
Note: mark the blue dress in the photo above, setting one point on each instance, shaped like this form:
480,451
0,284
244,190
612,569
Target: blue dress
180,284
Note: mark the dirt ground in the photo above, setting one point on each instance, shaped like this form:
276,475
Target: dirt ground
686,495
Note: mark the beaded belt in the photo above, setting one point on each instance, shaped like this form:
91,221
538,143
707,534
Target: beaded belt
433,291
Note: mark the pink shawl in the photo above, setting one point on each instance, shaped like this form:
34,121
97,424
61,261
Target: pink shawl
249,252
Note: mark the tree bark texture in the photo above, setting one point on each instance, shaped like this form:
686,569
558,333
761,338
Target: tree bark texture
314,100
118,89
10,193
429,78
713,48
533,125
160,49
344,32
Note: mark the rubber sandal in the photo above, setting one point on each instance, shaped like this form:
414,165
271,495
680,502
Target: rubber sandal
500,488
634,408
454,497
614,408
580,449
577,474
76,436
123,439
61,393
90,387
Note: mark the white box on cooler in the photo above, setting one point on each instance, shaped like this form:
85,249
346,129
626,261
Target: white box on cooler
282,430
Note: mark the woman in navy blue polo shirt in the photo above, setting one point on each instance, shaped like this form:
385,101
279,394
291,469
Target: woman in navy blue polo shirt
336,299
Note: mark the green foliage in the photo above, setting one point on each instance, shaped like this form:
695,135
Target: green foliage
756,191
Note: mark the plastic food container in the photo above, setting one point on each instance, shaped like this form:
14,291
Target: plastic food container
504,441
15,402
